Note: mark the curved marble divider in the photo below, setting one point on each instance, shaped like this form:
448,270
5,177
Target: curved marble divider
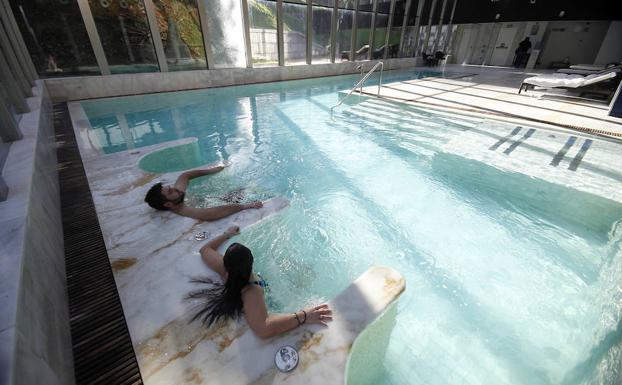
232,354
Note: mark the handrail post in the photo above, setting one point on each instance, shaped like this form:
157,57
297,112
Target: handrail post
380,82
360,84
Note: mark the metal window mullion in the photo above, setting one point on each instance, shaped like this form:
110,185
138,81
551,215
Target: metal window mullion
450,35
14,93
18,41
14,65
354,30
389,27
91,31
424,48
404,22
279,32
9,130
207,42
309,31
418,25
374,11
439,29
152,20
333,31
247,34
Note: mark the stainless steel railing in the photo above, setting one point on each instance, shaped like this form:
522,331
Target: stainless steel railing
360,84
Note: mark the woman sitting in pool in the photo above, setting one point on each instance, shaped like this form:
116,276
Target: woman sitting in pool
243,292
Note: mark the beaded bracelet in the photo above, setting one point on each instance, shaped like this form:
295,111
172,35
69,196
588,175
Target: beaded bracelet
305,313
298,319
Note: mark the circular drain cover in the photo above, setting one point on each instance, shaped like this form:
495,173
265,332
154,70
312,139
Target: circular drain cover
286,358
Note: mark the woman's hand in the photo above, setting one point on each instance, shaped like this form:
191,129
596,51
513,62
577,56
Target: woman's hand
231,231
319,314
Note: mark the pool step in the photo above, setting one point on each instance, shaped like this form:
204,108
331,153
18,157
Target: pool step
581,162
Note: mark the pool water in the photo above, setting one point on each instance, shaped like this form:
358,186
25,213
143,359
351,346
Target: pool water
499,289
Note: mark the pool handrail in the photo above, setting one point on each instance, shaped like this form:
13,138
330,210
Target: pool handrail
360,84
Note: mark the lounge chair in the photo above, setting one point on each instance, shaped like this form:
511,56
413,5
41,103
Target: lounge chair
603,84
588,69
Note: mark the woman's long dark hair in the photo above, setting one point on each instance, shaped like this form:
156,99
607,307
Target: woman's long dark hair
225,301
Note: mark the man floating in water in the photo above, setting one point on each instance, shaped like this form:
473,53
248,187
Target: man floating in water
171,198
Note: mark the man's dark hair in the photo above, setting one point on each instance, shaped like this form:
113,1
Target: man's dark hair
155,198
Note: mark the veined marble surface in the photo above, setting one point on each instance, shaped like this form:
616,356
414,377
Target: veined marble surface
35,340
153,256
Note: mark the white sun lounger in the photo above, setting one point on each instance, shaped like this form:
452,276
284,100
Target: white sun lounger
601,83
567,81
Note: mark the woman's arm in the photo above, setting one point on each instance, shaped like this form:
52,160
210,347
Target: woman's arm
211,256
266,325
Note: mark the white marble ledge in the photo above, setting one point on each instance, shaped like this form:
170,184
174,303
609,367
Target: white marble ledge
232,354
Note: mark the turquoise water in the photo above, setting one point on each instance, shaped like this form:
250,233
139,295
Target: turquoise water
505,283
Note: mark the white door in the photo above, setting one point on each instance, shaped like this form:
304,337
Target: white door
502,54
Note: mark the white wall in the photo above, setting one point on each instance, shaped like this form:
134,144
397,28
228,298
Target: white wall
580,41
611,49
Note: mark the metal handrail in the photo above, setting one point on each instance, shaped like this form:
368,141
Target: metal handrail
360,84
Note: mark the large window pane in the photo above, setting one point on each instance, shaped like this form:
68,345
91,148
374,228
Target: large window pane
295,33
366,5
264,44
180,31
394,41
380,35
363,32
124,33
396,29
55,36
409,42
344,34
321,34
326,3
226,30
346,4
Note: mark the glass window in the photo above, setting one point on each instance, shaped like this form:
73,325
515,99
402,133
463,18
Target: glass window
396,30
321,34
380,34
264,44
346,4
56,37
325,3
180,31
384,6
409,42
124,33
294,33
363,32
366,5
344,34
226,31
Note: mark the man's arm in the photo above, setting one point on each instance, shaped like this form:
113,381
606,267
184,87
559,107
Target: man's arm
213,213
182,181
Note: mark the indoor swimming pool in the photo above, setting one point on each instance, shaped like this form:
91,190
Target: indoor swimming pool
512,270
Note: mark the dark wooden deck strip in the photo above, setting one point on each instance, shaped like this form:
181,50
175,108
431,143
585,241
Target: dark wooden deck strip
102,347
